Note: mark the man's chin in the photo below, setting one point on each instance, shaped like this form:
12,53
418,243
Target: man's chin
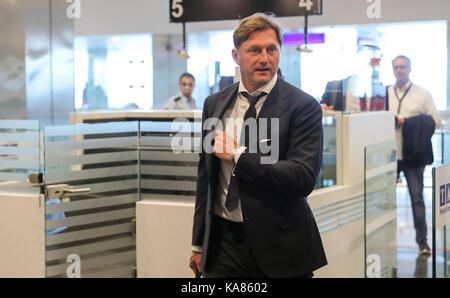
263,78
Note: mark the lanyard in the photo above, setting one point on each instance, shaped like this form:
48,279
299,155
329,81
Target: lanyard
401,99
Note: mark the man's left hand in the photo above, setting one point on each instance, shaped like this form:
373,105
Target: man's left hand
223,145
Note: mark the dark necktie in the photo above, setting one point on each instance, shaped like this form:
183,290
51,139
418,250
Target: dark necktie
232,200
251,111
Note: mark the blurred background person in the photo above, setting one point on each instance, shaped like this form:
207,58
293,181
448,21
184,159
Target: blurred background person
183,100
416,118
361,91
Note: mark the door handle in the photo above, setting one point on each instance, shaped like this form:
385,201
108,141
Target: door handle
76,190
62,190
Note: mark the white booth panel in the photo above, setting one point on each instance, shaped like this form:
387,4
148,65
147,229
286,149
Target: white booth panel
22,228
163,238
164,228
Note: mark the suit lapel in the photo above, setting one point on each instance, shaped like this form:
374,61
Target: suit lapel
222,103
275,103
212,162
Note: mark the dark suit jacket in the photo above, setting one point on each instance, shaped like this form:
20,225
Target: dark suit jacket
417,132
278,221
334,94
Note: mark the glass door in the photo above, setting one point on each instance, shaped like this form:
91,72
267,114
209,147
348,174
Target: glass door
91,187
380,209
21,203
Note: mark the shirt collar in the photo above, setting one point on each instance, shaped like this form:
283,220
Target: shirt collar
406,86
180,94
267,88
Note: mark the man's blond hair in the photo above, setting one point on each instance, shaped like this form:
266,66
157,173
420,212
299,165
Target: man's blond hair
256,22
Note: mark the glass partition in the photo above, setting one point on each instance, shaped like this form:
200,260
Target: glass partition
169,155
440,261
328,170
91,189
93,174
21,202
380,209
446,232
19,154
446,241
113,72
446,146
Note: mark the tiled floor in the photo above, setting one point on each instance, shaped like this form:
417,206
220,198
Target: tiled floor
409,263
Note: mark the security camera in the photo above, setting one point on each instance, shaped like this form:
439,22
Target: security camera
304,50
183,54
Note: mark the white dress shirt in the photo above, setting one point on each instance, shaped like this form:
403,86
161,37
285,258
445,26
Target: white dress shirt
180,102
232,123
417,101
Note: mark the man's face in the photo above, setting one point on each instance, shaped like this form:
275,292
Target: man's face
187,86
258,58
401,70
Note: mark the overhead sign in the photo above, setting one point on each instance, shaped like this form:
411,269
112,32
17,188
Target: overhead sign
216,10
299,38
442,195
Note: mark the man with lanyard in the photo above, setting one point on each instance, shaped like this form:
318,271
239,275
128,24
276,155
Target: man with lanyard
407,100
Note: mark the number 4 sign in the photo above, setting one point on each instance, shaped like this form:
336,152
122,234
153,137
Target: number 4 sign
308,4
182,11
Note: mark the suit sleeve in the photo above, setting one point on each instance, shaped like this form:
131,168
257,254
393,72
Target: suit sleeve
201,193
297,174
326,95
431,109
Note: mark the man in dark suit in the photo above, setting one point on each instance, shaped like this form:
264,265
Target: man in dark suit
334,96
252,218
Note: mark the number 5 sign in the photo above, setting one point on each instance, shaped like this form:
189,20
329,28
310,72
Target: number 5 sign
214,10
177,9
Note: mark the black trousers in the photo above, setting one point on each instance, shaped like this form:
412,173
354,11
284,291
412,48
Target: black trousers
229,253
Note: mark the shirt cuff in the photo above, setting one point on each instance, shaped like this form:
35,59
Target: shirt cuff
197,248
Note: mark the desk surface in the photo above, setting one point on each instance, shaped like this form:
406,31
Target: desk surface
81,117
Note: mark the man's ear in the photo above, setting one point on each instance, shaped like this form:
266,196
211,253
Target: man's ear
234,53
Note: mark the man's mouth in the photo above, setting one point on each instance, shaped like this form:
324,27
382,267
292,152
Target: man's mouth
263,69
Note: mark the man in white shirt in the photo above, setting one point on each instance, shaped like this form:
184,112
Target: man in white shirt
407,100
183,100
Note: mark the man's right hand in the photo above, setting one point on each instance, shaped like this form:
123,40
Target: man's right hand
400,121
195,261
325,107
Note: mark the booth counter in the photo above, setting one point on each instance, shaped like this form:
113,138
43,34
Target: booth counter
127,202
164,224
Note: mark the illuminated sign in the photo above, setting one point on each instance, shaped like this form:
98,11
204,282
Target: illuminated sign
215,10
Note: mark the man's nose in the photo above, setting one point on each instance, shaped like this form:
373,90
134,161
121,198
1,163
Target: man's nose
263,57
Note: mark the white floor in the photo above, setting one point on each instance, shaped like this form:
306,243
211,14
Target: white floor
409,262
